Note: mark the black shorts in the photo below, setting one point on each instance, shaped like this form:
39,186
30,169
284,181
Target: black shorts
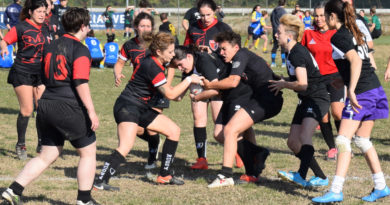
376,33
109,65
336,95
311,107
264,105
96,62
109,25
128,25
17,78
59,121
159,101
229,108
250,30
128,111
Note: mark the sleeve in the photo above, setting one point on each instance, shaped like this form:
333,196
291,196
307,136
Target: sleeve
207,67
156,76
262,21
12,36
187,40
187,15
297,59
239,63
6,16
253,16
81,66
362,27
343,42
123,54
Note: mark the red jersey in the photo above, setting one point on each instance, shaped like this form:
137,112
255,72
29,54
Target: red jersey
318,43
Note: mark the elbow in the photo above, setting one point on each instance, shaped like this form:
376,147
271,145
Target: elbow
302,87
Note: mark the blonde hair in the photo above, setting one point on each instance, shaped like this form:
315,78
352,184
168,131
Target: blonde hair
159,41
293,25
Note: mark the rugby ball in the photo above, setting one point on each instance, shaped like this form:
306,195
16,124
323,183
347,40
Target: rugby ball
195,89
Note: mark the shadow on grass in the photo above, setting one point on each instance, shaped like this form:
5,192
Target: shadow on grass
274,123
7,111
282,186
282,135
34,199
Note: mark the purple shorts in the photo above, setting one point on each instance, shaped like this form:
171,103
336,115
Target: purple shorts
374,106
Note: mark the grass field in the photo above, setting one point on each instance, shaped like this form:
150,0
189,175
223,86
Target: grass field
58,185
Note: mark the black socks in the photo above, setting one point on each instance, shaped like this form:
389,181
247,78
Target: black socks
84,196
227,172
21,127
110,167
17,188
305,155
154,141
200,135
168,153
326,130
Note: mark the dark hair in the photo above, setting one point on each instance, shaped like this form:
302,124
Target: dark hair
144,4
320,5
209,3
163,16
31,5
229,36
110,38
373,10
181,52
346,14
282,2
160,41
254,8
141,16
73,18
108,6
91,33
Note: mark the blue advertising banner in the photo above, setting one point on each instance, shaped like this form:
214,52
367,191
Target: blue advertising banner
97,22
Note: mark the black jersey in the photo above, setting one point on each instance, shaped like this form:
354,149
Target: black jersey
31,39
66,65
299,56
199,35
51,21
192,15
167,27
342,42
252,68
144,81
133,51
58,11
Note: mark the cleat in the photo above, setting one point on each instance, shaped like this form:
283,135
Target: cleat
104,186
260,158
169,180
377,194
21,151
221,181
239,162
273,65
293,177
329,197
39,148
331,154
150,166
201,163
317,181
11,198
283,65
245,179
90,202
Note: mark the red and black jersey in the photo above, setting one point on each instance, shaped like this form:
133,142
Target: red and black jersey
319,45
199,35
67,64
133,51
31,39
51,22
145,79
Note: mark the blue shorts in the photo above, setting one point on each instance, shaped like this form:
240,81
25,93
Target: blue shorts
374,106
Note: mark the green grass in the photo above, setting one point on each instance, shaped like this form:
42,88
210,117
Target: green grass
57,184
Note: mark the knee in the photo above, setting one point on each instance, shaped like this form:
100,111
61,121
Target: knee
230,132
26,112
343,144
174,133
292,145
364,144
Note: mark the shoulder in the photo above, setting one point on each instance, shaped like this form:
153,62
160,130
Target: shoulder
223,26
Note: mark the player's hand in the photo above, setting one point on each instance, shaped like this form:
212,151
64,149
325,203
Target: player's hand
353,101
118,79
4,52
205,49
387,74
337,83
206,83
196,79
277,85
94,120
193,98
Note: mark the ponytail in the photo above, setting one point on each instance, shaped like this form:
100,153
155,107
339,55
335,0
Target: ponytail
350,22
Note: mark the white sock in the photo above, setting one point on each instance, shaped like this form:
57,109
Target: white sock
379,180
337,184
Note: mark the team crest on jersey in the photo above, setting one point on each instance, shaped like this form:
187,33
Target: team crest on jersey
236,64
213,45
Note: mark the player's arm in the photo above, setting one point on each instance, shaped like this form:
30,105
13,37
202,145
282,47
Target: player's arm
185,23
299,85
173,92
387,72
355,67
118,67
10,38
230,82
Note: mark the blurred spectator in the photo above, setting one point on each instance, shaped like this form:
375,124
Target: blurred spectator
145,6
190,17
129,16
12,13
167,27
95,49
362,14
298,11
59,10
307,20
219,13
111,50
107,16
375,28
